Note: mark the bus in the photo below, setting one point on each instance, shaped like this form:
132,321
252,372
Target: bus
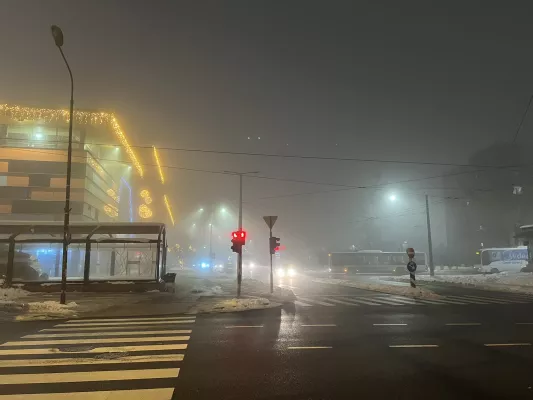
374,261
503,259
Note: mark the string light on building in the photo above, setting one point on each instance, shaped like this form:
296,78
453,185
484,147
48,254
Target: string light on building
113,195
111,210
144,211
145,193
158,162
80,117
168,208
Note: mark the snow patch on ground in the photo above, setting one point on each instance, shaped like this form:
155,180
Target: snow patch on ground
504,281
377,285
10,294
231,305
207,292
53,307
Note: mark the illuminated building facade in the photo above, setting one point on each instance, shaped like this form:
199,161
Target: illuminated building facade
109,182
33,155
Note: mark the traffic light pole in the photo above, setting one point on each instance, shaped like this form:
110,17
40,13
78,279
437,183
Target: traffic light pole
239,254
430,244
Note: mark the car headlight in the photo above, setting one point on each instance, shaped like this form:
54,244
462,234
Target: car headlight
292,272
280,272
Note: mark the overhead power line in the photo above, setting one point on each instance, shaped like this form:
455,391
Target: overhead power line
308,157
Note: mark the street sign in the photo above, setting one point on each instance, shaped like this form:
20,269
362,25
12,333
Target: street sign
270,220
411,252
411,266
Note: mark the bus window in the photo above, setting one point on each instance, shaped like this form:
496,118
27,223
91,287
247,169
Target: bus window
384,259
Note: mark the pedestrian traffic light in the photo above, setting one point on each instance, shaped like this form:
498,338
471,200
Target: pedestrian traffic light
274,244
238,238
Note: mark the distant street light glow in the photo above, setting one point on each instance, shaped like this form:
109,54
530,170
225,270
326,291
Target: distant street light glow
392,197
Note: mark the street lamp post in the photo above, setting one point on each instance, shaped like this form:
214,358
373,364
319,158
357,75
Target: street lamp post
58,39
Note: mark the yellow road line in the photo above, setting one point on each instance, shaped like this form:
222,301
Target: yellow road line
414,345
506,344
308,347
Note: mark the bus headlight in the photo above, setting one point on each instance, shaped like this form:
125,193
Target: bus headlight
292,272
280,272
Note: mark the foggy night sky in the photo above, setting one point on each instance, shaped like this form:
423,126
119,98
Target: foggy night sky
397,80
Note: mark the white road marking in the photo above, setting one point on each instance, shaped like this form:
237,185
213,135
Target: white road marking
93,376
89,341
40,362
466,300
463,324
523,323
307,300
493,300
128,333
389,324
367,302
118,349
506,344
321,325
79,321
404,300
388,301
302,304
135,394
414,345
342,302
308,347
243,326
104,324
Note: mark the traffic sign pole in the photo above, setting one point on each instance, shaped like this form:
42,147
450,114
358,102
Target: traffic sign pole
270,221
411,266
271,272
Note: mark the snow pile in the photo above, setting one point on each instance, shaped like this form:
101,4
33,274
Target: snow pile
52,307
377,285
10,294
231,305
207,292
504,281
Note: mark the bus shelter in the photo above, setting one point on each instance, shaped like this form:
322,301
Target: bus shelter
97,251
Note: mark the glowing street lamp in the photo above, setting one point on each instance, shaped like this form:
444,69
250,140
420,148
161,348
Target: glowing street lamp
392,197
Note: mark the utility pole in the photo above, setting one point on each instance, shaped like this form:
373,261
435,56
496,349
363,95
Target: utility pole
211,239
58,39
430,244
239,254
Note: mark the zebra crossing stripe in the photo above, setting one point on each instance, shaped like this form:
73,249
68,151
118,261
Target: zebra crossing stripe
343,302
63,377
468,301
322,303
302,304
59,342
367,302
133,394
385,301
499,301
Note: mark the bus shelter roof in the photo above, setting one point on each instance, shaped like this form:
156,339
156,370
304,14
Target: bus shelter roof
79,229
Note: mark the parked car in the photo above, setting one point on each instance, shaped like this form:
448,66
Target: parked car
25,267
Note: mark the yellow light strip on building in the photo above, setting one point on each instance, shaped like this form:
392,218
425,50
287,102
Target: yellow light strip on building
168,208
81,117
161,176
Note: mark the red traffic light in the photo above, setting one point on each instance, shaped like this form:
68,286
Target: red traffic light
239,235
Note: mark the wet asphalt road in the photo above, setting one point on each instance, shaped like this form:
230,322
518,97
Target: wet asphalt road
343,352
376,348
